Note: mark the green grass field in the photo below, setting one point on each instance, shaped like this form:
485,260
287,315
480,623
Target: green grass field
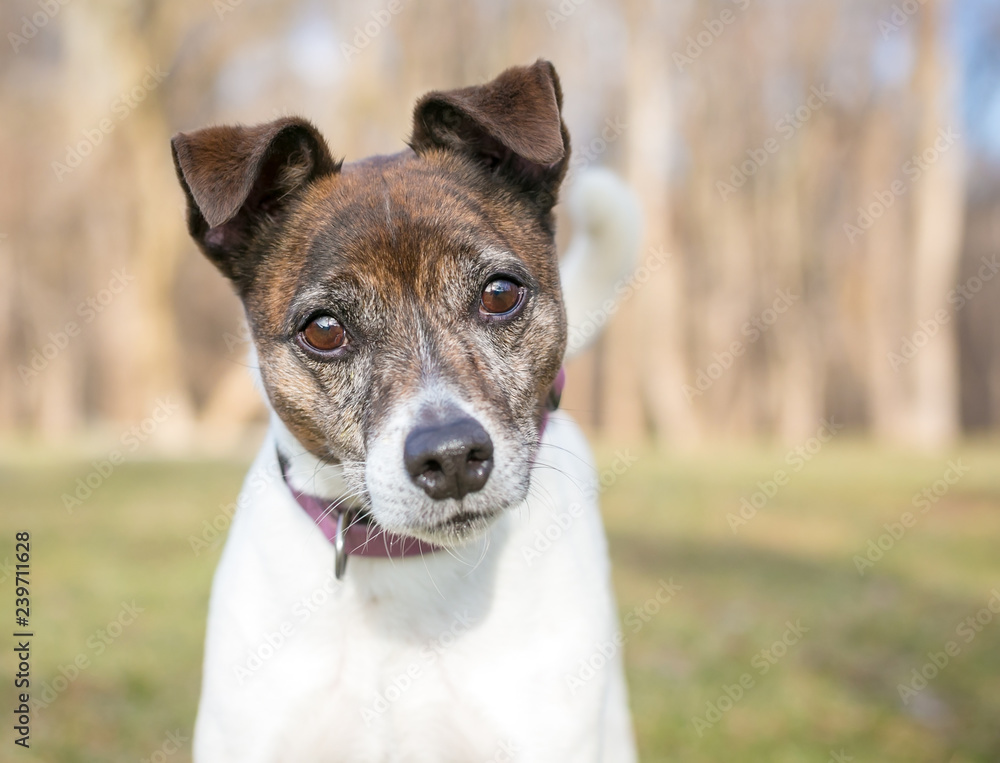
830,690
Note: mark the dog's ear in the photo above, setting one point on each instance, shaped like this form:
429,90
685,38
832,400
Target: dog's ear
238,179
512,126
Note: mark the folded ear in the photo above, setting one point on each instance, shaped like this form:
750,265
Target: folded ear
511,126
239,179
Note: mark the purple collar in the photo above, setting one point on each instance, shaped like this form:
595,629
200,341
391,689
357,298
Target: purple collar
352,535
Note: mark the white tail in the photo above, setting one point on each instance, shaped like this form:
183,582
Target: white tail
603,253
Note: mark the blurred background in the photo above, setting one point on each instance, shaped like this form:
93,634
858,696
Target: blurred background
808,350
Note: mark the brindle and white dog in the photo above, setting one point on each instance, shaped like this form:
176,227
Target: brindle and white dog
409,328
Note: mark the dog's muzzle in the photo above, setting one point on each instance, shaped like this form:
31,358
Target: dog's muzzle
446,461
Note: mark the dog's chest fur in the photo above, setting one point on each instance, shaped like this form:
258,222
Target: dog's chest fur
436,659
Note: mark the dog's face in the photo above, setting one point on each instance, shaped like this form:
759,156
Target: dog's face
406,310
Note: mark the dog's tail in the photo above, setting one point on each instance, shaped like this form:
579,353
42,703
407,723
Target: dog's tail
607,230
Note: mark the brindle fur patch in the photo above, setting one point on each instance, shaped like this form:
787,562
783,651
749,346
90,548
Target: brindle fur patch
398,249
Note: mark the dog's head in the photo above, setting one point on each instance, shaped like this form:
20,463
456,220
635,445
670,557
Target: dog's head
406,309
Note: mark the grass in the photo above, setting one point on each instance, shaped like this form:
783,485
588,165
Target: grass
833,694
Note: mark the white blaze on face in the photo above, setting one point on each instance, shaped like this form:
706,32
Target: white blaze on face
402,506
306,472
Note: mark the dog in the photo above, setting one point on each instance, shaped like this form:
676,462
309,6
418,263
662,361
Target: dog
417,569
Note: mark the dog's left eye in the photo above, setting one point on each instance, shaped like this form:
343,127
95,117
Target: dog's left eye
323,334
501,296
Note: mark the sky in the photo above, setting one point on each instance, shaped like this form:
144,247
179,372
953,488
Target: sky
975,37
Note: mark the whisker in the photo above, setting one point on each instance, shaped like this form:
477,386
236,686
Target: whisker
564,449
486,549
430,576
339,502
557,470
546,498
333,505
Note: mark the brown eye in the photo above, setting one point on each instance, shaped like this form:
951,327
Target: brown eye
324,334
501,296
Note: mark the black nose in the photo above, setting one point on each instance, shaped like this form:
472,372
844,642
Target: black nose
449,460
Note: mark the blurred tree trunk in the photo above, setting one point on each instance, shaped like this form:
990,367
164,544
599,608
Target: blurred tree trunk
141,355
886,282
938,210
656,334
797,391
11,385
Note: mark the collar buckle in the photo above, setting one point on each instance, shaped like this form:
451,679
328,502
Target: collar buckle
340,552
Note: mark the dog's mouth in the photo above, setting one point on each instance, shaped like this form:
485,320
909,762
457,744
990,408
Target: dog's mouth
459,527
464,521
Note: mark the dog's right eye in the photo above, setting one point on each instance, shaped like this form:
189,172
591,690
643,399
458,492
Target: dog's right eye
323,334
500,298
